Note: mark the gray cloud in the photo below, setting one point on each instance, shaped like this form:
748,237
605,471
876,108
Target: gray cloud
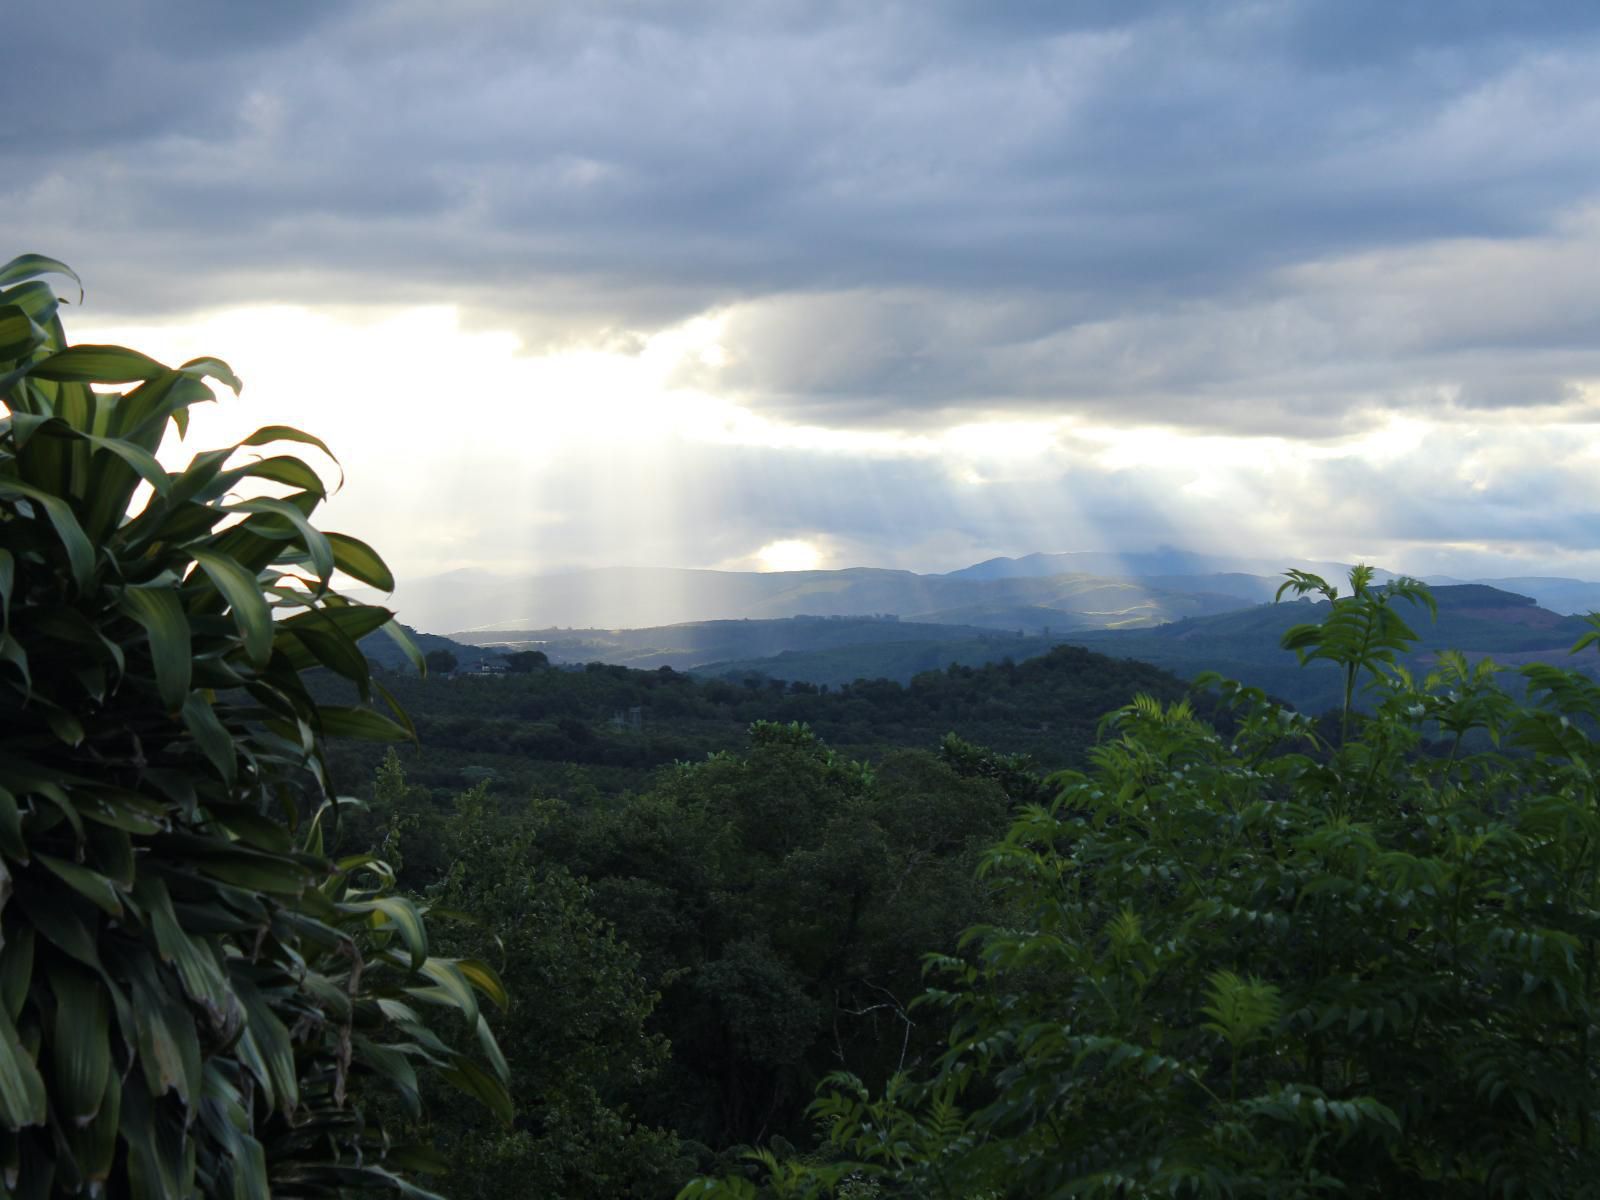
1226,216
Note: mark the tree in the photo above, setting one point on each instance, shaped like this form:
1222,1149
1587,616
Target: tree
1274,965
578,1045
442,661
778,899
195,999
525,662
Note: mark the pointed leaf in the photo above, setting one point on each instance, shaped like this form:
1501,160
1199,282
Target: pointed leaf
22,1091
82,1043
360,561
80,552
28,266
362,723
400,914
313,539
215,742
20,335
158,610
91,885
242,590
97,364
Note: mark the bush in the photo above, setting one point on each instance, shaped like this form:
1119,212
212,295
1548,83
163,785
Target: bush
193,998
1270,965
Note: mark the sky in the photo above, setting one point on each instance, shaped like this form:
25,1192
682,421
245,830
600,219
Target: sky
779,285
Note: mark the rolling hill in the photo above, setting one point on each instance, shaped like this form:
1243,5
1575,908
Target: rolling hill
1242,644
649,597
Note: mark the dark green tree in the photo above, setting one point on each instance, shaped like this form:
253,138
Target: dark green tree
442,661
779,899
524,662
576,1041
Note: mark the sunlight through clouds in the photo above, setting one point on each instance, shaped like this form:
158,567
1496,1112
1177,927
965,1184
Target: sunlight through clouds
790,554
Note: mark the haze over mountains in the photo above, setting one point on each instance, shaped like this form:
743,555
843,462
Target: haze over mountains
1034,593
1181,611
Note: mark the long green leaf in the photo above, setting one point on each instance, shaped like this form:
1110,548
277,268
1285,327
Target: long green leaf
94,1145
82,1042
444,973
212,368
194,960
138,458
283,468
360,561
394,1066
22,1090
161,1160
484,977
338,721
271,1038
80,552
397,634
37,299
158,611
400,914
91,885
268,434
20,335
316,542
242,590
97,364
213,738
29,266
16,968
491,1050
475,1081
169,1049
58,922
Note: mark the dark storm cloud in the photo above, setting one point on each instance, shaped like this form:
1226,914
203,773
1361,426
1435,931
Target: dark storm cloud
911,213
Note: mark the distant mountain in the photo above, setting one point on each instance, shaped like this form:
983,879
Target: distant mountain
1559,595
644,597
688,646
1164,563
1475,618
1036,593
898,661
1242,644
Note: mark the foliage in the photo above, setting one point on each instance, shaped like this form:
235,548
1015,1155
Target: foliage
575,1041
778,899
442,661
193,998
1266,965
553,733
1359,632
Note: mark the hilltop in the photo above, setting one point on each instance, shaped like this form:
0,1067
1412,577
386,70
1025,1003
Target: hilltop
1243,644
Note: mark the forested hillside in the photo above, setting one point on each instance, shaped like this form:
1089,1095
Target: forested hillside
603,729
1243,644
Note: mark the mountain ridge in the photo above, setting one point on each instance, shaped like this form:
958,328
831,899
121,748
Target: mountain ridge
1030,593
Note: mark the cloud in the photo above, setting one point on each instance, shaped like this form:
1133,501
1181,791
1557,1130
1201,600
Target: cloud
1292,223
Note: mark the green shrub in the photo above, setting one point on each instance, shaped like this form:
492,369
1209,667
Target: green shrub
1266,965
193,998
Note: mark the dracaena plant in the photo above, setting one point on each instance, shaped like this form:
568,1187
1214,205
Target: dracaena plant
194,999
